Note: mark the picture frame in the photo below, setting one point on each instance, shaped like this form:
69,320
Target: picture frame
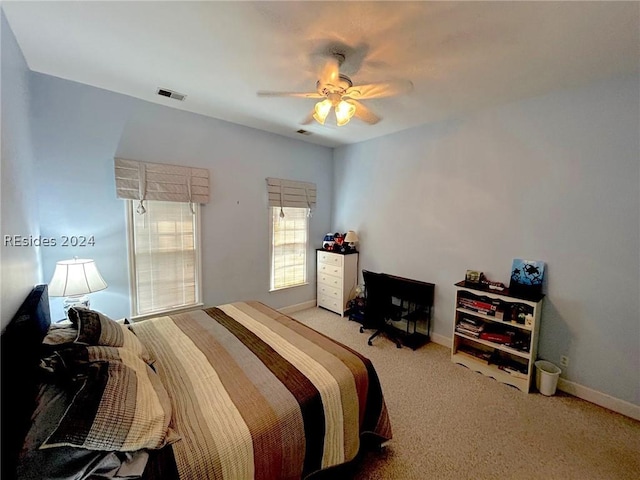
527,276
473,276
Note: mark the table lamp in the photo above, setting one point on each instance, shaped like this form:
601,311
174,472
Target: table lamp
351,238
74,279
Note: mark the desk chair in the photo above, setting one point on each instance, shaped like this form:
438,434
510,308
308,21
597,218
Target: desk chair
378,307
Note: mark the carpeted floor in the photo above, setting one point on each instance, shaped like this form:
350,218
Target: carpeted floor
452,423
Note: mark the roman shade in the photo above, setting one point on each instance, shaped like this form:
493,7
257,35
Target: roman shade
291,193
157,181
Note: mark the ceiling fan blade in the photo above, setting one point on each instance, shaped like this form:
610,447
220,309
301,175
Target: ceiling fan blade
308,119
330,71
290,94
364,114
380,89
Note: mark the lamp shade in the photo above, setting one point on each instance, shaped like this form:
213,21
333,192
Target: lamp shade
321,111
344,112
75,277
351,237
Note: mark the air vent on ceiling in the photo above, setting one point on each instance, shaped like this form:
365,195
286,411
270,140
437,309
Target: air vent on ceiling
303,132
165,92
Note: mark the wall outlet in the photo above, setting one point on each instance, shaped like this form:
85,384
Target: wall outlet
564,361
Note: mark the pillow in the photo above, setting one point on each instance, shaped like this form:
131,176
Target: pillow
60,335
68,462
95,328
121,406
54,367
65,332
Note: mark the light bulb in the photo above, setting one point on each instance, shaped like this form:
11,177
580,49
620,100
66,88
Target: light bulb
344,112
322,110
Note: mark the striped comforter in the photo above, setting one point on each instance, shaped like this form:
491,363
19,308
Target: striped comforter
256,394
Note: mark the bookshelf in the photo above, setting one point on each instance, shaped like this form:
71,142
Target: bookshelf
496,333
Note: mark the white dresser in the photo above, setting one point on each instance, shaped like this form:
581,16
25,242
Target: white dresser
337,278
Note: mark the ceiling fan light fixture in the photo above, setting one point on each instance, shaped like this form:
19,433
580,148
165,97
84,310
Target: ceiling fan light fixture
344,112
322,109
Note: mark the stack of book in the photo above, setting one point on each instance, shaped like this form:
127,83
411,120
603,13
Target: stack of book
480,305
470,327
513,368
474,352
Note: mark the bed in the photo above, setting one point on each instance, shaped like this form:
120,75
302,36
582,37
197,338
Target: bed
229,392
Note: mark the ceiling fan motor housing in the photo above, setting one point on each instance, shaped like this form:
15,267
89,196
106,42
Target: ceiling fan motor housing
340,87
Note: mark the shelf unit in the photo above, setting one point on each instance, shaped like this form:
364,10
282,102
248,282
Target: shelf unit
496,333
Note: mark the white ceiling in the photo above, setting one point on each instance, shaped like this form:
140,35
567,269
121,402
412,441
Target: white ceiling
460,56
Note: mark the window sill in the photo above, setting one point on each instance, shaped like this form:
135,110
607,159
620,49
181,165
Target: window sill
274,290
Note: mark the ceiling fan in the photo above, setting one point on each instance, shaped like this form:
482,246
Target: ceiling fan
338,92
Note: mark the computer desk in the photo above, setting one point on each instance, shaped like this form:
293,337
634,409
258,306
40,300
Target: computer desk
412,301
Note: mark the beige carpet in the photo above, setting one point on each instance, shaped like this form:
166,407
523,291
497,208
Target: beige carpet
452,423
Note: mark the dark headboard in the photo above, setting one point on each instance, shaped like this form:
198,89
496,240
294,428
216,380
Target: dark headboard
20,353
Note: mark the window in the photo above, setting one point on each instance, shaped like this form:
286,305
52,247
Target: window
289,244
164,256
290,202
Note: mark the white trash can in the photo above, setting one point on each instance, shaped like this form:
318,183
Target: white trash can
547,377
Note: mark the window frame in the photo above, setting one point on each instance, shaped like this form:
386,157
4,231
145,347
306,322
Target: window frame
272,287
133,292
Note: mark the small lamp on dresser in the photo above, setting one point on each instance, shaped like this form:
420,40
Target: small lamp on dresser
351,238
74,279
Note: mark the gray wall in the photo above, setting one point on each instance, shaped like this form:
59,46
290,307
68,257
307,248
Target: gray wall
20,264
80,129
554,178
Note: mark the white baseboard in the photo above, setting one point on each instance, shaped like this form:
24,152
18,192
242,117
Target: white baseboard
607,401
441,340
296,308
585,393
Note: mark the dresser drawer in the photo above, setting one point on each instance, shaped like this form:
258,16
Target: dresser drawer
330,303
329,291
330,258
332,281
325,269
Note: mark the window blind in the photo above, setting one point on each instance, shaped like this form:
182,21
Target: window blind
157,181
291,193
165,259
289,245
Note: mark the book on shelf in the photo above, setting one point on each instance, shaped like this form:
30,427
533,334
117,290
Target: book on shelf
468,333
480,307
521,344
469,329
512,367
496,337
513,372
472,321
474,352
477,304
